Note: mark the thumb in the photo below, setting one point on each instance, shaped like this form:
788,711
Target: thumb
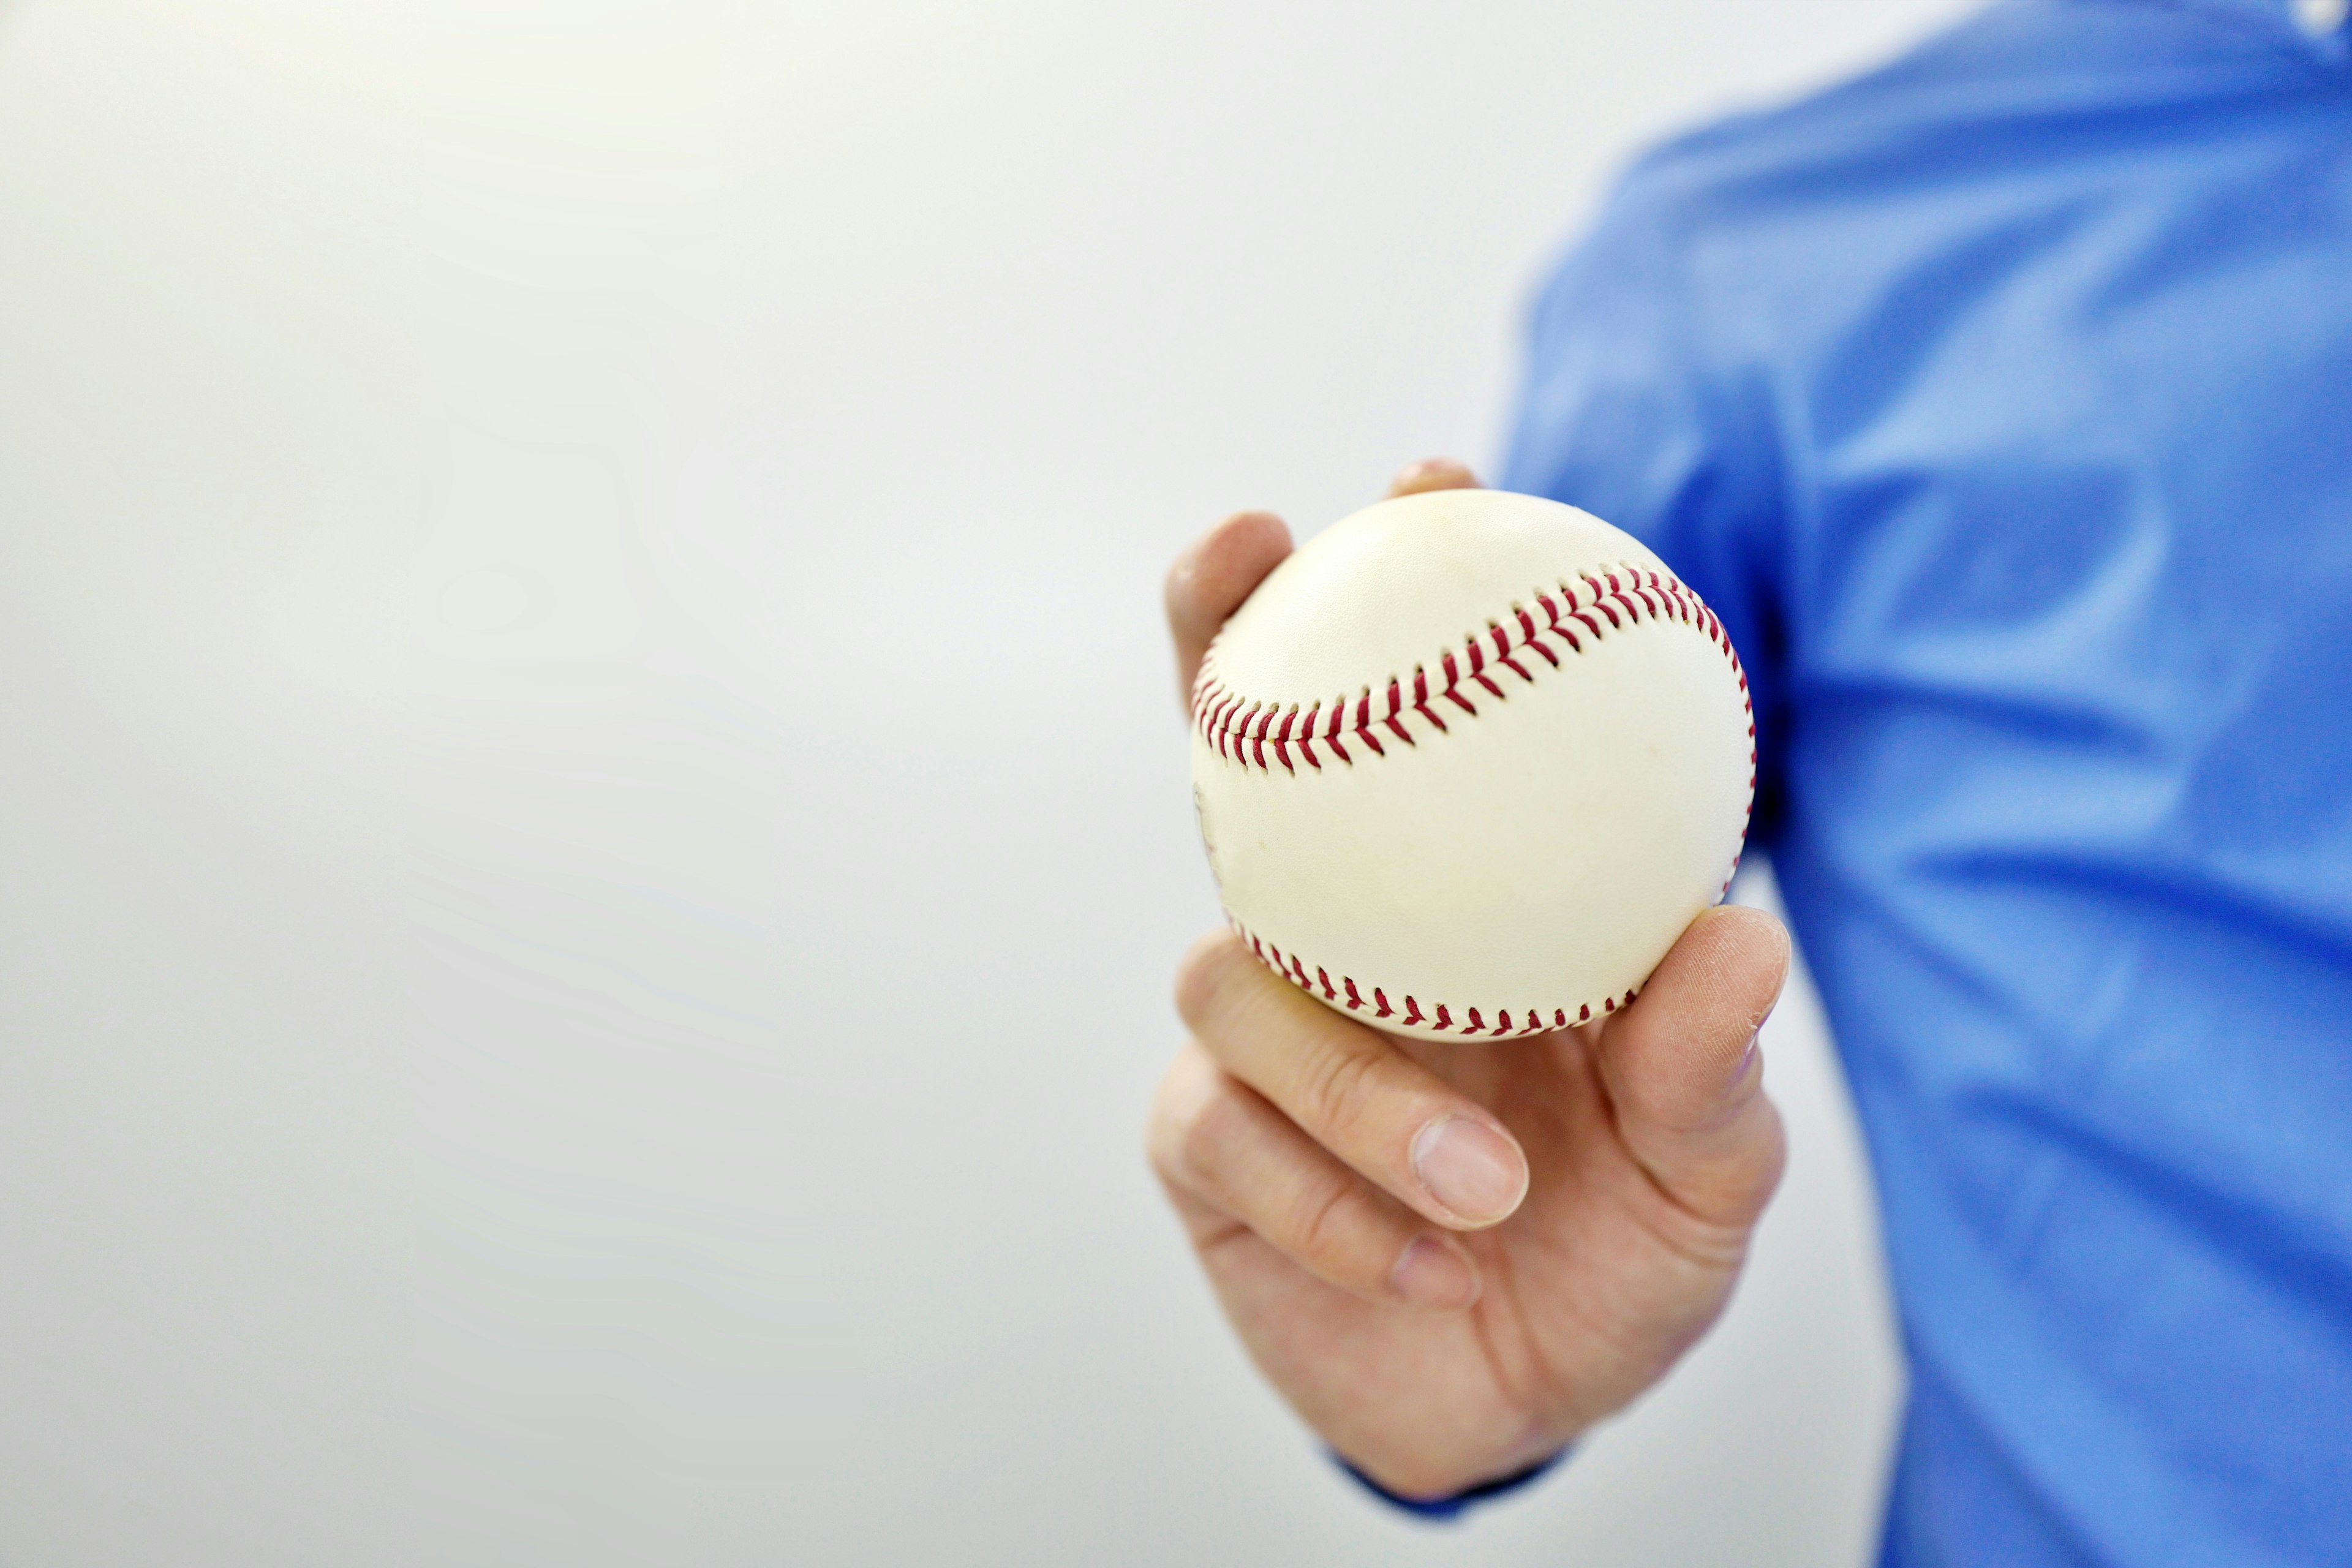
1684,1074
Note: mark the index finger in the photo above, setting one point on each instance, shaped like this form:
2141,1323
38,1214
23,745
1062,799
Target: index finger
1212,577
1350,1089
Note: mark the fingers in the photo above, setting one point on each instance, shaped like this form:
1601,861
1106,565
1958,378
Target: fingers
1684,1074
1212,577
1228,1157
1351,1090
1433,474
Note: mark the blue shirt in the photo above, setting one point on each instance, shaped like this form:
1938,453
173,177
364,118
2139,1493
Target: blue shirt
2002,403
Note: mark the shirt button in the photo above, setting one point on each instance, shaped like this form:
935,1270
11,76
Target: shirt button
2320,18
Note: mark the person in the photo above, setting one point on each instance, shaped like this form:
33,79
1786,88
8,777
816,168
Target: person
2000,404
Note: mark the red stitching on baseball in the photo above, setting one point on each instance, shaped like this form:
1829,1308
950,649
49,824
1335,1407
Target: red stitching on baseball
1438,1020
1241,728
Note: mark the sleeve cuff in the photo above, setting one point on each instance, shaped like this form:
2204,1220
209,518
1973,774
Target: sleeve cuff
1453,1506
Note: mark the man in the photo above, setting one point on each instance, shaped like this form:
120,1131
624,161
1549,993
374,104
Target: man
2000,403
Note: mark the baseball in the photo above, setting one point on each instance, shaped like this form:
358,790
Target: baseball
1469,762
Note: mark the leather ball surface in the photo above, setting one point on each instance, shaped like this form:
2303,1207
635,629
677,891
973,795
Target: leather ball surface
1469,762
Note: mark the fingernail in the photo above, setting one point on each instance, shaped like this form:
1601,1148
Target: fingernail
1433,1274
1470,1168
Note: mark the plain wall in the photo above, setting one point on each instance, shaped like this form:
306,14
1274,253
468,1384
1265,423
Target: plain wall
592,826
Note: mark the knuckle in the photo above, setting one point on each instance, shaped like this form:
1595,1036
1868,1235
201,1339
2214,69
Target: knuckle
1757,1177
1206,1135
1339,1092
1321,1223
1719,1200
1164,1133
1176,1105
1206,975
1704,1241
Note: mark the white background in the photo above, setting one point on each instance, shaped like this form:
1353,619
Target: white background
591,817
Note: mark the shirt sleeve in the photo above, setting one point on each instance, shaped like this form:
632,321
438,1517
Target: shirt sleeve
1626,413
1453,1506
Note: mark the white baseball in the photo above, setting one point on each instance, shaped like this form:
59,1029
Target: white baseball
1469,762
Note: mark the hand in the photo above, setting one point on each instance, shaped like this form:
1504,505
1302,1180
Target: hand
1451,1259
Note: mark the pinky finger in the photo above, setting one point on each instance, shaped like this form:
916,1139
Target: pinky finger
1230,1159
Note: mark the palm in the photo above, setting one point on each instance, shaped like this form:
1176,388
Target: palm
1594,1285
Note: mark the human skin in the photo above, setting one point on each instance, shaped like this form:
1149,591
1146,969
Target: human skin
1452,1258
